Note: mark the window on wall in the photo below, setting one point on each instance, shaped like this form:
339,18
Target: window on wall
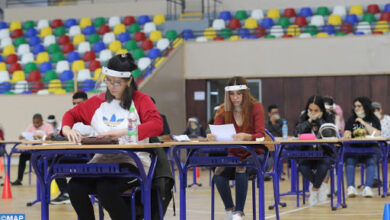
216,93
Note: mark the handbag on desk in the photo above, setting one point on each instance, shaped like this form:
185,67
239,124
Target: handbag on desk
99,141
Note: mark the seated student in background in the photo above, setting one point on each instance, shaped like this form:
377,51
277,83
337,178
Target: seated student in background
51,119
247,116
337,111
384,119
274,123
84,130
362,123
38,130
194,129
108,114
310,121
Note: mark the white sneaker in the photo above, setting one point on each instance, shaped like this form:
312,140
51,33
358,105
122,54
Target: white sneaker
237,217
228,215
367,192
351,192
323,192
313,199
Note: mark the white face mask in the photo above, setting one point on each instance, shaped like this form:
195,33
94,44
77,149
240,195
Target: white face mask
378,115
314,117
276,117
360,114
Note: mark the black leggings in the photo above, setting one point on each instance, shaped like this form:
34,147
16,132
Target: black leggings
23,158
108,191
321,166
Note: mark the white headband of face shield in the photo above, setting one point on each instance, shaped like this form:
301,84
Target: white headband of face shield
235,88
110,72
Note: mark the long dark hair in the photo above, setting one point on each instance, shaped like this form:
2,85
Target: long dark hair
319,101
366,103
123,63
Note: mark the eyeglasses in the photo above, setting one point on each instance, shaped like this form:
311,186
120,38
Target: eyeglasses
357,106
116,83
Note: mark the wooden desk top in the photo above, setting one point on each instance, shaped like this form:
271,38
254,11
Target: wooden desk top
331,141
72,146
31,142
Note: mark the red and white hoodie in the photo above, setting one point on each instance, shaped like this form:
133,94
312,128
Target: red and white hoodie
104,116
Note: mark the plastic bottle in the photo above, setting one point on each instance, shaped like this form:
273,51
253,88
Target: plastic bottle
132,131
284,130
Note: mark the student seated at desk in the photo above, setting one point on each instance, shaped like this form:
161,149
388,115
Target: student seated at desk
108,114
362,122
194,129
247,116
309,122
38,130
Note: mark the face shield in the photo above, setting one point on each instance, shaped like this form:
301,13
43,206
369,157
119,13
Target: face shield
228,104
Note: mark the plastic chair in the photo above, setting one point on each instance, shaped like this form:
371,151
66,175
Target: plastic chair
277,31
29,67
144,62
104,29
77,66
356,9
323,11
17,33
385,16
34,76
218,24
20,40
74,30
70,22
289,13
49,76
134,28
201,39
58,56
34,41
234,23
3,25
4,33
373,8
43,23
305,35
369,17
188,34
78,38
83,75
300,21
43,57
257,14
21,87
273,13
334,20
149,27
46,66
306,12
260,31
88,85
54,85
5,87
128,20
284,22
147,45
143,19
171,35
225,15
89,30
85,21
99,46
53,48
64,39
14,67
108,38
363,27
243,32
62,66
66,75
3,66
351,18
226,33
105,55
60,31
46,31
99,21
28,24
119,28
267,23
339,10
330,29
89,56
113,21
17,76
346,28
23,48
139,36
56,23
93,38
94,65
323,35
32,32
73,56
294,30
12,58
6,42
162,44
84,47
138,54
159,19
382,26
26,58
317,20
38,49
123,37
67,48
50,39
115,46
155,36
131,45
154,53
15,25
4,76
250,23
241,15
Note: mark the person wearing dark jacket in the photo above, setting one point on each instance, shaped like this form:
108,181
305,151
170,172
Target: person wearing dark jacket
194,129
309,122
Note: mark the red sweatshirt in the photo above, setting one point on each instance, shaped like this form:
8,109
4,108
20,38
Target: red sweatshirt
150,119
256,128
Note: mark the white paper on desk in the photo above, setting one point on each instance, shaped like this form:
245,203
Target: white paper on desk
181,138
28,136
223,132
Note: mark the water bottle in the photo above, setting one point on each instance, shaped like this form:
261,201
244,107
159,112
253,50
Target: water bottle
132,130
284,130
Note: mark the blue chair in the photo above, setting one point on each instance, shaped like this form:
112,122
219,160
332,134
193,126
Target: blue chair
31,32
244,32
252,37
188,34
35,40
73,56
143,19
1,59
329,29
38,48
66,75
358,33
386,8
5,87
225,15
99,46
306,12
351,18
123,37
89,30
154,53
267,23
46,66
70,22
26,93
3,25
88,85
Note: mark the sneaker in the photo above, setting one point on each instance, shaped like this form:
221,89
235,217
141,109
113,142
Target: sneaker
323,192
237,217
313,199
16,183
375,184
63,198
351,192
367,192
228,215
